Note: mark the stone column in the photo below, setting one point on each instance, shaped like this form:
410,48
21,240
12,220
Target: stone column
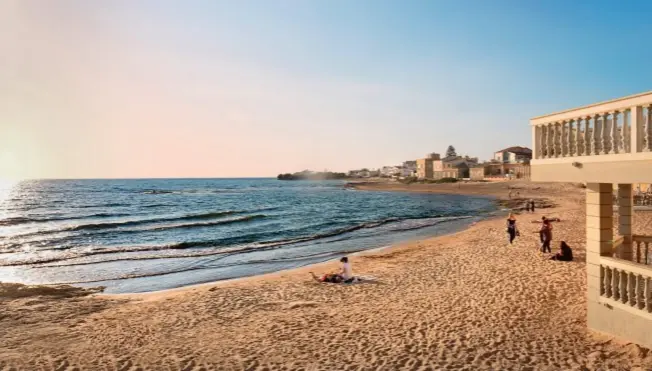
625,219
599,233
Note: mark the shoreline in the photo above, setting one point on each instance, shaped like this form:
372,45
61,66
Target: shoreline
379,185
306,269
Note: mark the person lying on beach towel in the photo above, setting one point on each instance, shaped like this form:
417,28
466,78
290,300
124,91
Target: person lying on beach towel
327,278
345,274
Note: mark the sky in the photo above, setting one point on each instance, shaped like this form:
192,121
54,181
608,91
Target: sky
140,89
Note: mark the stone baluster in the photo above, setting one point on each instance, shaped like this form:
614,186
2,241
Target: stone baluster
596,136
648,294
548,129
578,137
640,294
604,130
631,283
587,136
557,140
626,136
624,298
553,139
638,251
605,286
542,141
563,138
615,287
647,131
615,144
571,138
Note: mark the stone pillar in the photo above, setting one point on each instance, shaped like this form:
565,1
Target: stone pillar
599,233
625,218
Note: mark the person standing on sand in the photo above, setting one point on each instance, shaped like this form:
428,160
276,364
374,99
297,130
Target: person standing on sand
543,221
511,228
546,236
532,205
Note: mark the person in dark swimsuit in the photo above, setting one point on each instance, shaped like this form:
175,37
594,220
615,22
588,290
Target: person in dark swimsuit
511,228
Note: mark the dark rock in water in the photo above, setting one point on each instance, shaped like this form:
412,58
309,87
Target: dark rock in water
309,175
156,192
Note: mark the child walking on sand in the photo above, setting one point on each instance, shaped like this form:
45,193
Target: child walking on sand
511,228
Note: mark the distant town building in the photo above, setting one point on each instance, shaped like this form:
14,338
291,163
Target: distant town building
477,172
514,155
507,170
391,171
362,173
424,168
435,167
409,169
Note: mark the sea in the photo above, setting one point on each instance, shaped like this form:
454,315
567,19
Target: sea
142,235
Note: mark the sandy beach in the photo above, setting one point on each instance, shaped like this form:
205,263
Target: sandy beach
467,301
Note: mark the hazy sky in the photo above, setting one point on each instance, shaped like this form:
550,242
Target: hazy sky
254,88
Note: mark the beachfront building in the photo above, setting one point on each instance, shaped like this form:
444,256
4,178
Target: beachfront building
497,169
606,145
390,171
435,167
453,167
425,166
409,169
477,172
513,155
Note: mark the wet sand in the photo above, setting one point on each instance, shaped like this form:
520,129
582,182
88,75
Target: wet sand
466,301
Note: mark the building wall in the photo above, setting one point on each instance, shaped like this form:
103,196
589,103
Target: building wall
437,165
520,171
451,173
424,168
615,321
456,173
511,157
477,173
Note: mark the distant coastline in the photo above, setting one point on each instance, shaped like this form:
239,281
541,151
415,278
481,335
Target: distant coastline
311,175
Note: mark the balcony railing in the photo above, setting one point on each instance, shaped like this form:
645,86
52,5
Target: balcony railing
621,126
626,285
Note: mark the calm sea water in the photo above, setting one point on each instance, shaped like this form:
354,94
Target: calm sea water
144,235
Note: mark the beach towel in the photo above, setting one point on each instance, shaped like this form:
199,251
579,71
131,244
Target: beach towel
359,279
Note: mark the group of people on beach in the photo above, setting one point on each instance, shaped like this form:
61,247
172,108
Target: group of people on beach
345,273
545,235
